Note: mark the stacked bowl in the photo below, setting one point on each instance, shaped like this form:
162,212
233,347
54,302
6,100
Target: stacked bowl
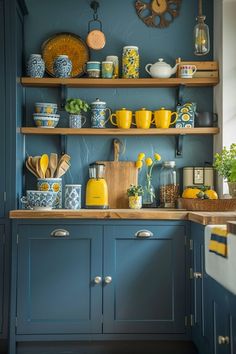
45,115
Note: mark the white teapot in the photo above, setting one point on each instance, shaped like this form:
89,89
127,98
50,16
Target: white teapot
161,69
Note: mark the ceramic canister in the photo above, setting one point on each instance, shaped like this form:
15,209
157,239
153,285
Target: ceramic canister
62,66
98,114
73,196
35,66
54,185
130,62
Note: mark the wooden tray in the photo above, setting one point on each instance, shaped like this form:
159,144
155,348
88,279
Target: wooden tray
207,204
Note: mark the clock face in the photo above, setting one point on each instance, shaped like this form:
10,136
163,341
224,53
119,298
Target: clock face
158,13
159,6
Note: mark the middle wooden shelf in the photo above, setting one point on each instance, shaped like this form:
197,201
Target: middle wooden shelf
115,131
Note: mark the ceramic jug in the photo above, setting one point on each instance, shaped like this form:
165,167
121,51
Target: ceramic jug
98,114
143,118
123,118
163,118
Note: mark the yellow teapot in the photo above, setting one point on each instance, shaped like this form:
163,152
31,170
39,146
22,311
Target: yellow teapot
143,118
163,118
123,118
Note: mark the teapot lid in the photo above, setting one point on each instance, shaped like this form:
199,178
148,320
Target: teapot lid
98,102
161,62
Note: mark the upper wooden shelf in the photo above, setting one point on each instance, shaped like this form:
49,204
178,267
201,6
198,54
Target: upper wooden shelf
116,131
106,83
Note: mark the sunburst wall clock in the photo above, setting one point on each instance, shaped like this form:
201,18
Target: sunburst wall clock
158,13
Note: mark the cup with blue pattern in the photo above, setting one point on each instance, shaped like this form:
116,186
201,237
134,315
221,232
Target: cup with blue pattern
39,200
73,196
99,112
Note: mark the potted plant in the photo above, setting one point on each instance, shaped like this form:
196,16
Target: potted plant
135,194
225,164
75,106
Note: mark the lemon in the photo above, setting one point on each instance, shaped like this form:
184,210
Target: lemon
191,193
211,194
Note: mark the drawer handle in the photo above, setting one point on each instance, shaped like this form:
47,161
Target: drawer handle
223,340
60,233
144,234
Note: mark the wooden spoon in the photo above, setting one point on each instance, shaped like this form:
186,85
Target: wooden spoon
53,164
44,164
38,169
62,168
29,168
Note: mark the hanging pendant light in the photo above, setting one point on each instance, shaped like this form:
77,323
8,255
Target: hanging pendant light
201,34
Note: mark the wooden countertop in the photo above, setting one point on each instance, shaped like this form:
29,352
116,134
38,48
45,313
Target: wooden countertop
231,226
203,218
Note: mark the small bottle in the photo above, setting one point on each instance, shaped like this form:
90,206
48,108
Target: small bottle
130,62
35,66
169,188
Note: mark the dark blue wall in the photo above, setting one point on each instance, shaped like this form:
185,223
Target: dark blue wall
122,27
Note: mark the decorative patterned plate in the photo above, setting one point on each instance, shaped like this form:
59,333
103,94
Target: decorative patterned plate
69,44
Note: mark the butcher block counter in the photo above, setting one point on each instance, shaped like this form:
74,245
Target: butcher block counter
203,218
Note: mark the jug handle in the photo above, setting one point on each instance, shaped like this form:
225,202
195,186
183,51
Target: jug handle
176,117
109,115
146,68
153,118
133,123
111,120
84,118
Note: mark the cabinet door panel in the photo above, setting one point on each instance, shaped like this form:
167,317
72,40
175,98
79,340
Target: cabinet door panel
221,328
56,293
147,294
2,258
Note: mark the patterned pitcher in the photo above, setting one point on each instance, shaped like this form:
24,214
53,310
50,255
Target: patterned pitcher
99,111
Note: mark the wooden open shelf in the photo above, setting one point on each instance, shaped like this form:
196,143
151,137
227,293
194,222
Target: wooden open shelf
106,83
116,131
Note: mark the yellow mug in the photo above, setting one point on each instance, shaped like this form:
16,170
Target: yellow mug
163,118
123,118
143,119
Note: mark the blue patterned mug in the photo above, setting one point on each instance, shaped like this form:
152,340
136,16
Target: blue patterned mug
62,66
37,200
52,185
76,120
98,117
73,196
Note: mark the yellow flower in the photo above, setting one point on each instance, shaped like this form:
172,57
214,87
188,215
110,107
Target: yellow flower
157,157
149,161
139,164
141,156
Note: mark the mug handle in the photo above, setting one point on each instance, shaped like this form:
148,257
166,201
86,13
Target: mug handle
195,69
176,117
83,118
111,120
109,115
25,203
153,118
133,123
146,68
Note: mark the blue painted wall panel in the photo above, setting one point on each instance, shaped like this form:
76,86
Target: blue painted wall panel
122,27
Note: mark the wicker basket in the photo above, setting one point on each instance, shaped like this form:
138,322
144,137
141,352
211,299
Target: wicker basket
207,204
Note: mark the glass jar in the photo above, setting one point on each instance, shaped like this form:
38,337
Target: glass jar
130,62
149,194
169,188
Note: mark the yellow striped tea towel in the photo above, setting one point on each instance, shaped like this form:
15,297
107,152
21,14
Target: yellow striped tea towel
218,241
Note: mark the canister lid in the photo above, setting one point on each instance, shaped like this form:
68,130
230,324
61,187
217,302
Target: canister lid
168,164
130,47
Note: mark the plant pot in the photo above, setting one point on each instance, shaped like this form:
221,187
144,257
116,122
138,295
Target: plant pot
232,189
135,202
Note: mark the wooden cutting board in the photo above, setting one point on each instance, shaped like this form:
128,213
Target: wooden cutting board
119,175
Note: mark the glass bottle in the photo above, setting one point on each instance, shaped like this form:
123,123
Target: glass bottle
201,37
168,186
149,194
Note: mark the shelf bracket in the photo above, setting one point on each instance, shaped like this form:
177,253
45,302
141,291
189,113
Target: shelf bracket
63,97
179,94
63,143
179,145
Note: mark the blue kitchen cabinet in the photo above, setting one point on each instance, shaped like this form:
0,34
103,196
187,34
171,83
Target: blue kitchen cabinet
146,279
58,291
2,278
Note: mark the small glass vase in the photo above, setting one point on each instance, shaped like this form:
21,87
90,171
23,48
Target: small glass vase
149,197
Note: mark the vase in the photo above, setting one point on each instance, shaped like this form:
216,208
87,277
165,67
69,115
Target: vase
135,202
62,66
73,196
232,189
35,66
149,194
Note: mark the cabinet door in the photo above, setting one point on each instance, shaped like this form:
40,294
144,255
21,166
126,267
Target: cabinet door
222,324
147,292
2,258
3,107
56,289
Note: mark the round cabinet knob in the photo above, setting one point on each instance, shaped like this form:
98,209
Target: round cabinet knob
197,275
108,280
223,340
97,280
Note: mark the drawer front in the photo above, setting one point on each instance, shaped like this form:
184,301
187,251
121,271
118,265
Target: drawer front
148,289
56,267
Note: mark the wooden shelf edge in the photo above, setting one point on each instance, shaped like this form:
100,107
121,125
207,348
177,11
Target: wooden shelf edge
125,132
142,82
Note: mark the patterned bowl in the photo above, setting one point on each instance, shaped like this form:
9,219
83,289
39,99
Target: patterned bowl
39,200
43,120
47,108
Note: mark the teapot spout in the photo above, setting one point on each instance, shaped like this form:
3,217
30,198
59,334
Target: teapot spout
174,69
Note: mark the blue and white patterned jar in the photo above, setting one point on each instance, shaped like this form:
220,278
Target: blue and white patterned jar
73,196
35,66
98,117
62,66
53,185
